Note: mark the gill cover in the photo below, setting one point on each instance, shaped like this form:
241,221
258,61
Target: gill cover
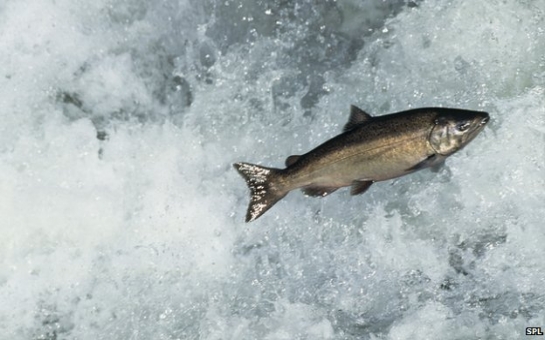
450,134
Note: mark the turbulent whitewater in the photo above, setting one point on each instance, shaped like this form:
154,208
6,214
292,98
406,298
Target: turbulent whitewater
122,217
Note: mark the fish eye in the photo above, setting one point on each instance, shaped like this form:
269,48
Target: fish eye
463,126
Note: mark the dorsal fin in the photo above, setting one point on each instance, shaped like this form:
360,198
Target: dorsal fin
292,159
357,117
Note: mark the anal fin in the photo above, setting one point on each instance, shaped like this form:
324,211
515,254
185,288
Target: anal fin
315,191
359,187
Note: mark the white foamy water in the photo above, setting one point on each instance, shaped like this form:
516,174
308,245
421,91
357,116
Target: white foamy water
122,217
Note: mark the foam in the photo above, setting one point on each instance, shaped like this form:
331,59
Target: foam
123,217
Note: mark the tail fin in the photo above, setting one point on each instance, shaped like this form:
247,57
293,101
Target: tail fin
264,193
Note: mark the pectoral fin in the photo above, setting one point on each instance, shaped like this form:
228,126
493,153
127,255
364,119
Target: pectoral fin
319,191
433,161
436,167
359,187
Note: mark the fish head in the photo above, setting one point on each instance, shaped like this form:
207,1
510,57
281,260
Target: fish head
455,128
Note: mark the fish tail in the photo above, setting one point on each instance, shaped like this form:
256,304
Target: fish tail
264,189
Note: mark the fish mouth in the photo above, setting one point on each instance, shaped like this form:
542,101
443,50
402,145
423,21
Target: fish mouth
479,122
478,125
485,118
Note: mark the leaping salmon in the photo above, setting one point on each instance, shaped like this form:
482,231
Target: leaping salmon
370,149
